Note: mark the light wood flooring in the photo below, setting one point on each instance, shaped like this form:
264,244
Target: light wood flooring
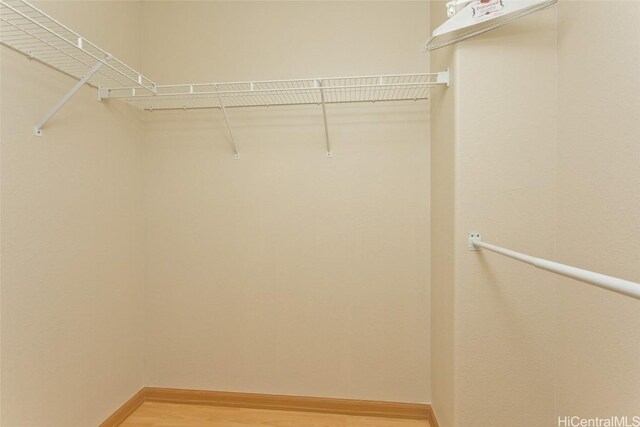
155,414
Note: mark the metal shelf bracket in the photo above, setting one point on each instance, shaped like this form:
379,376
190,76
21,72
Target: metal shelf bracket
37,130
324,117
443,77
236,154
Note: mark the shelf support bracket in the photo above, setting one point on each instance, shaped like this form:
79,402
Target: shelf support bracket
38,127
324,117
443,77
226,120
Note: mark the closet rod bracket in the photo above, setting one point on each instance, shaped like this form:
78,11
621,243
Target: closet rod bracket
37,129
473,238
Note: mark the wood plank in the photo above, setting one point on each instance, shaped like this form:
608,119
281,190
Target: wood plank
125,410
157,414
376,411
419,411
433,421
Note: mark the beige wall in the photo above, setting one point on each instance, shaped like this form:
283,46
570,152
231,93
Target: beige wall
506,189
285,271
230,40
72,236
442,227
543,166
599,205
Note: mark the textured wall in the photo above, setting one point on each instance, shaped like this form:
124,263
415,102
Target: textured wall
72,236
506,189
599,205
544,166
285,271
442,228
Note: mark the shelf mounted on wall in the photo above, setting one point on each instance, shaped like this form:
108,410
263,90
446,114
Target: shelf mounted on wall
470,18
269,93
28,30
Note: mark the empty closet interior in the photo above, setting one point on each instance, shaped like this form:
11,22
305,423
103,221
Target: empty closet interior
378,208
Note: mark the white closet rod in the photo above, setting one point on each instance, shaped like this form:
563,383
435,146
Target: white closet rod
621,286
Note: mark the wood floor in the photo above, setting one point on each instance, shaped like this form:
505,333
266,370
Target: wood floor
155,414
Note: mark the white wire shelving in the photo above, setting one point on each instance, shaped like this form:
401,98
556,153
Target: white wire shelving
268,93
319,91
28,30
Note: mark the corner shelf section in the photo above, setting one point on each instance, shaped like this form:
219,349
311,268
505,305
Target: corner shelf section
31,32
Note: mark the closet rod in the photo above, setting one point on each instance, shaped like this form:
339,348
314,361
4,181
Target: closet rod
621,286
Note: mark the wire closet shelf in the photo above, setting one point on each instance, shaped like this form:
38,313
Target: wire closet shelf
334,90
31,32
